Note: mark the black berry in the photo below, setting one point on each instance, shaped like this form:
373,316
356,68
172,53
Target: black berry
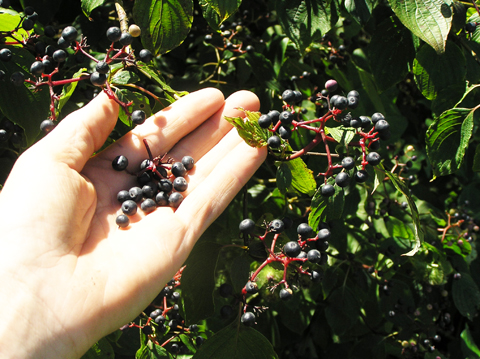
285,132
114,33
47,125
161,198
304,230
178,169
129,207
264,121
323,234
122,221
136,194
276,226
251,287
5,54
123,196
180,184
145,55
292,249
148,205
165,185
381,126
126,39
286,294
27,24
69,33
247,226
348,163
377,116
17,78
120,163
102,67
314,255
188,162
175,199
361,176
288,96
274,141
59,55
373,158
37,68
342,179
327,190
138,117
248,319
286,117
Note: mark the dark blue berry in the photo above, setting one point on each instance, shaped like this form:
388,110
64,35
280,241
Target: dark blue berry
122,221
129,207
120,163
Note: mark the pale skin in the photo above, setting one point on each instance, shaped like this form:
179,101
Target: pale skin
68,274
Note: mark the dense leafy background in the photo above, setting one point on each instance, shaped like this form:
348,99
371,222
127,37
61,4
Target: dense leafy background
411,60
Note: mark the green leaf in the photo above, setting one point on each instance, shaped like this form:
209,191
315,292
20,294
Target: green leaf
476,159
152,351
469,348
68,89
417,229
447,140
217,11
153,74
263,70
390,53
434,73
236,341
343,135
466,295
89,5
100,350
140,102
302,177
343,310
239,272
326,209
9,21
125,77
304,21
249,129
164,23
397,228
198,281
284,177
361,10
430,20
20,104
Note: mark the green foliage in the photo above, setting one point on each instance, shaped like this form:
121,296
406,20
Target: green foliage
164,24
399,265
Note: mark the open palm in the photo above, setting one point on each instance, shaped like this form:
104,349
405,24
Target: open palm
69,274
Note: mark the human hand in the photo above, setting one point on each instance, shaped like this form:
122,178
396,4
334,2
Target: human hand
69,275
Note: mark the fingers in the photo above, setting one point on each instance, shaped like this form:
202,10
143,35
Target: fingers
198,143
164,129
221,183
81,133
221,171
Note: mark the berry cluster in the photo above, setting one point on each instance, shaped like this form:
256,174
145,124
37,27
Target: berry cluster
370,131
165,324
302,256
49,59
160,182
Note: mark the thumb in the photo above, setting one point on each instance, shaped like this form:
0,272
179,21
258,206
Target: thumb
82,132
